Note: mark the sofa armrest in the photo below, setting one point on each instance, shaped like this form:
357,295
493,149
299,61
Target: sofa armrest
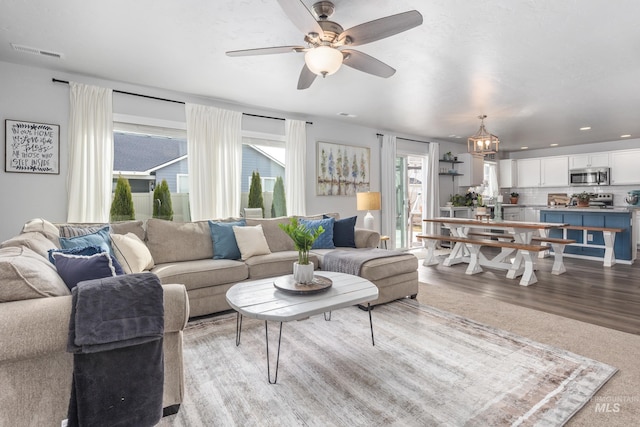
366,238
35,327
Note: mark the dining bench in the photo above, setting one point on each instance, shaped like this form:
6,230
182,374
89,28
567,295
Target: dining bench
476,259
557,244
608,235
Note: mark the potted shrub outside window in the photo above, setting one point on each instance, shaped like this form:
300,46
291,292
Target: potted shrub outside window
303,239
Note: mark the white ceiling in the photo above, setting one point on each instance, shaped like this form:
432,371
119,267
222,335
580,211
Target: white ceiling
540,69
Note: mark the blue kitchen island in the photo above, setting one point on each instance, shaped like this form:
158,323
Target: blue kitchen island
587,243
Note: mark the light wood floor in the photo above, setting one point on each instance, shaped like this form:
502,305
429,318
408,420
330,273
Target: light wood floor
589,292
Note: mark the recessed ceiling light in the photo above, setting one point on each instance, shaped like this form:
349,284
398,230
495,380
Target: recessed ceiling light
554,145
524,148
346,115
586,128
625,136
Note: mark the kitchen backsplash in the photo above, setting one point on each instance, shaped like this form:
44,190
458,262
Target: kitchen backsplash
538,196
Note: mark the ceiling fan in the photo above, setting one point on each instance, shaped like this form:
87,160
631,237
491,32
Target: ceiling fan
328,45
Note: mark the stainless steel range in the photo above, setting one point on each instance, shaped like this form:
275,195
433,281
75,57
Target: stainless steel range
602,200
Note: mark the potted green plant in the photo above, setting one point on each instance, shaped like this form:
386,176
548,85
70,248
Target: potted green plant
447,156
582,198
514,197
303,238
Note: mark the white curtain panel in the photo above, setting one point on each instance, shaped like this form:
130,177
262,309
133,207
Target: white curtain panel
432,209
90,173
295,163
214,143
388,188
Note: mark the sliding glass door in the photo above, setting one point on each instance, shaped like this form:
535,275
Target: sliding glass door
410,192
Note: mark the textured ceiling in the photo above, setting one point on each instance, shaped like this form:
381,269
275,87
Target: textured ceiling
540,69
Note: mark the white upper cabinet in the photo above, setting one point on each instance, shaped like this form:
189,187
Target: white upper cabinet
528,172
555,171
591,160
543,172
472,170
624,167
508,171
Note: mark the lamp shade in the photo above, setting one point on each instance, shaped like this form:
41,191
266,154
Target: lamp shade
323,60
369,201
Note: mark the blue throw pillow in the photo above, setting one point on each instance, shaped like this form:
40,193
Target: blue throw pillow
99,238
80,250
344,233
325,241
224,240
73,269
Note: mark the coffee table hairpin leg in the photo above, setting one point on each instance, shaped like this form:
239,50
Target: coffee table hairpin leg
266,331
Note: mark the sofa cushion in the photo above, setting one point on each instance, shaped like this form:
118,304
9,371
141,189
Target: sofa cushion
225,245
170,241
131,252
202,273
25,275
251,241
99,237
324,240
344,233
42,226
77,268
80,229
121,227
125,227
277,239
274,264
35,241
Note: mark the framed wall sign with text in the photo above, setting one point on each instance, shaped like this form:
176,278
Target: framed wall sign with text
32,147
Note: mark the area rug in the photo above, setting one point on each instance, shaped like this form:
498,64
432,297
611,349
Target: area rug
427,368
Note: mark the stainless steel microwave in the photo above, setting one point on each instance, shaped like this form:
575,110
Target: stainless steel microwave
590,176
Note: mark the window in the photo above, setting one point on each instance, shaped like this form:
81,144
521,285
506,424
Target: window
264,153
146,155
490,179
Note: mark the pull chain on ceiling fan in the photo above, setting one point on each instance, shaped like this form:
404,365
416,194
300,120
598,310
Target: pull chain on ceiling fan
327,42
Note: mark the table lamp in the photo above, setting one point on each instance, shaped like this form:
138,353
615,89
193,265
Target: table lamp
369,201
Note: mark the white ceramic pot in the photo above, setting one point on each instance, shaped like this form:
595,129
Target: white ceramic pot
303,273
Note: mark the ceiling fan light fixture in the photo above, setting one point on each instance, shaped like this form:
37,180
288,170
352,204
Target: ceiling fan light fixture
482,142
323,60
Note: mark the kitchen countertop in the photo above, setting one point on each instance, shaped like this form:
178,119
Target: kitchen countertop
567,208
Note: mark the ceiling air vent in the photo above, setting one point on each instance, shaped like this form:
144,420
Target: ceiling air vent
35,51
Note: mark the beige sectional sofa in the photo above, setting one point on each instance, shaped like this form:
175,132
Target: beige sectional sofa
183,253
35,369
35,307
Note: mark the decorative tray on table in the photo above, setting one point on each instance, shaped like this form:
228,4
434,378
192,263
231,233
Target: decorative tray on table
288,284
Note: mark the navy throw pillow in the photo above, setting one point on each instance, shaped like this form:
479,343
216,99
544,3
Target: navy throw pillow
74,269
344,232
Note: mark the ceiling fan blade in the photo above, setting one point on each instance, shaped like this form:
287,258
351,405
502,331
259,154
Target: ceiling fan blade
368,64
382,28
300,16
265,50
306,78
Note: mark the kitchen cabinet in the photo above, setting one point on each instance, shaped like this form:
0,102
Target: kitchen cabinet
543,172
591,160
624,167
531,214
528,172
508,173
554,171
472,170
512,213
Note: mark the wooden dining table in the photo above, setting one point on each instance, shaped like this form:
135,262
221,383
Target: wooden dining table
518,231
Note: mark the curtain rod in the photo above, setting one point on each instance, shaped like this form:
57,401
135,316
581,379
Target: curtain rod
406,139
173,100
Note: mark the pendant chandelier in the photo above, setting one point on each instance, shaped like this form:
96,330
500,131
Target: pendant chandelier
482,142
